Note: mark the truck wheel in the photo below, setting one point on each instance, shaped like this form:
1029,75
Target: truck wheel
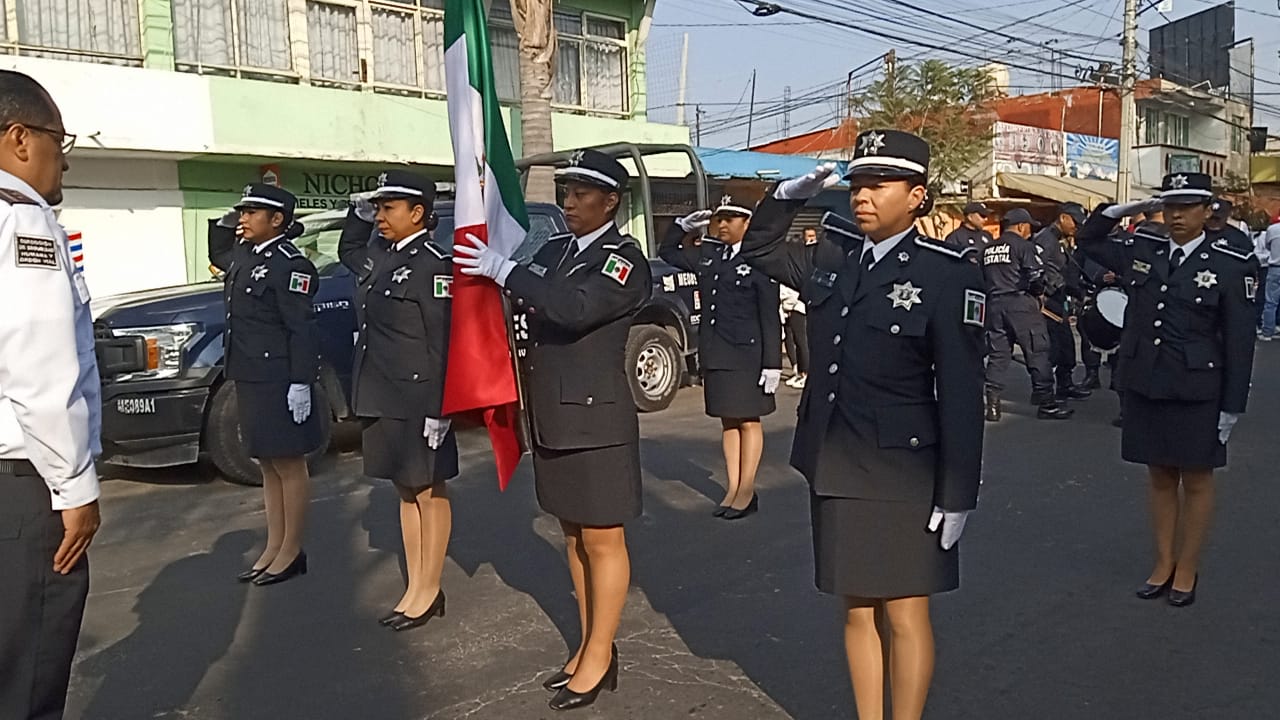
654,362
227,451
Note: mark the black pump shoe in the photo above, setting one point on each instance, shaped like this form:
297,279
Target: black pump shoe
751,508
408,623
560,678
390,617
1150,591
250,574
1178,598
720,510
296,568
566,699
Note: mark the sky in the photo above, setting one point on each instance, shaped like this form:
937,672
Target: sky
726,43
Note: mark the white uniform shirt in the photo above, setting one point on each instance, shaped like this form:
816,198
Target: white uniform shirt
50,396
1273,244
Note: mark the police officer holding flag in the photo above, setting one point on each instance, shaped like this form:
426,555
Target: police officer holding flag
399,372
740,345
889,433
1186,364
273,356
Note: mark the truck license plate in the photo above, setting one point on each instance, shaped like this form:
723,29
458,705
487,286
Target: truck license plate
136,406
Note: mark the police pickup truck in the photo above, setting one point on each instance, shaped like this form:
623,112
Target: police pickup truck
166,402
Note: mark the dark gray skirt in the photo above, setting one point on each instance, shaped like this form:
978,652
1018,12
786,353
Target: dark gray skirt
395,450
735,394
596,487
267,428
1176,433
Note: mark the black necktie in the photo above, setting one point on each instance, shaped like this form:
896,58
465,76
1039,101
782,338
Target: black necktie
868,259
1176,259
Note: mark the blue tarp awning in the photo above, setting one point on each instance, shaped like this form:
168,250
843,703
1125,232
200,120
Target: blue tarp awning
745,164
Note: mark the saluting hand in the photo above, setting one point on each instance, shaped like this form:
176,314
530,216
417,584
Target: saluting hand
769,379
434,431
1129,209
806,186
365,209
478,259
79,525
695,220
952,524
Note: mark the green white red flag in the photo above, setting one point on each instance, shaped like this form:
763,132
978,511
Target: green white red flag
489,205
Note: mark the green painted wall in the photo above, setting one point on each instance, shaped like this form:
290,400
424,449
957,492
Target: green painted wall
157,34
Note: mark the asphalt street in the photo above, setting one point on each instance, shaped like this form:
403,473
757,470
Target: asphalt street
723,621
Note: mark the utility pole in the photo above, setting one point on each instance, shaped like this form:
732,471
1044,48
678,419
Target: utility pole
697,125
751,111
1128,107
786,111
684,80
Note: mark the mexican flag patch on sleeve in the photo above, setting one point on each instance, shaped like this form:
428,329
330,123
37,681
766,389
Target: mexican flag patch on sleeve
443,286
299,283
617,267
975,308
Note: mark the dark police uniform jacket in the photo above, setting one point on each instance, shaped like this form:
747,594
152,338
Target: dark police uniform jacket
579,307
1235,238
404,301
1189,332
271,333
741,327
1011,266
965,237
1048,244
898,353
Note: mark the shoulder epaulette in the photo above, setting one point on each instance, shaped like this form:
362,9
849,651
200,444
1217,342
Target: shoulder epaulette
436,250
289,250
1222,247
560,236
13,197
929,243
626,241
832,222
711,240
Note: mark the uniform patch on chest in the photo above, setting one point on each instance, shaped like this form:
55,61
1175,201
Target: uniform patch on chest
401,274
905,295
975,308
743,269
536,269
36,252
258,272
1206,279
617,268
442,286
299,283
1142,267
1250,288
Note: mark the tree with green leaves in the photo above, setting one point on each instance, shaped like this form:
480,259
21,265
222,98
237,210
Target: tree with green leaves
944,104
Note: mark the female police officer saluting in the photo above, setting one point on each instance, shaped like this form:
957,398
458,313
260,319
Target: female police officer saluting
890,426
398,384
740,346
580,292
272,354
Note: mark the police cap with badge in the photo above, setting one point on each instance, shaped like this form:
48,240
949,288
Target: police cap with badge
733,207
1186,189
592,167
891,155
261,196
405,185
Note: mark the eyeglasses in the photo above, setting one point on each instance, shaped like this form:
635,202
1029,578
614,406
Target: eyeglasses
65,139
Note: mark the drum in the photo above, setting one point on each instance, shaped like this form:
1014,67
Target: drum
1103,318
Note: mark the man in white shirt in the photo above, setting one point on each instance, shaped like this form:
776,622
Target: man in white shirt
1272,274
50,412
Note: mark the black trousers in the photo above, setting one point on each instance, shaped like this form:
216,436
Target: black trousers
1062,351
40,610
797,341
1016,319
1089,355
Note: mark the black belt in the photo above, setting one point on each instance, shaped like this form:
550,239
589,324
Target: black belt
19,468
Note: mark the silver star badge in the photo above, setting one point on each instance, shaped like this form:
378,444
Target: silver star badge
382,180
903,256
1206,279
744,270
905,295
248,190
726,199
259,272
576,158
1178,182
400,275
871,143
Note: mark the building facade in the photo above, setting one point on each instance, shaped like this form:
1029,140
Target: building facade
177,104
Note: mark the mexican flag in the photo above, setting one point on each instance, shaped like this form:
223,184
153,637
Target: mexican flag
490,206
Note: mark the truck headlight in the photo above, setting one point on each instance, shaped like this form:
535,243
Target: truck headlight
166,345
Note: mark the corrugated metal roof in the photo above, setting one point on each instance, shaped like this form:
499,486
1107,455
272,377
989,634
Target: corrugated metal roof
722,163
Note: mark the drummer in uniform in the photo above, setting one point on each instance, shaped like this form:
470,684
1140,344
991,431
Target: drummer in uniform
740,345
273,356
580,292
1187,361
889,429
399,371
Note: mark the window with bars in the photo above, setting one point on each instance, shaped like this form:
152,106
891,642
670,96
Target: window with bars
244,34
104,30
332,43
408,44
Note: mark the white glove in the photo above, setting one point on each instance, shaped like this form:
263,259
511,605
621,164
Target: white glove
1129,209
694,221
300,402
952,524
769,378
435,431
478,259
807,186
1226,421
365,209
